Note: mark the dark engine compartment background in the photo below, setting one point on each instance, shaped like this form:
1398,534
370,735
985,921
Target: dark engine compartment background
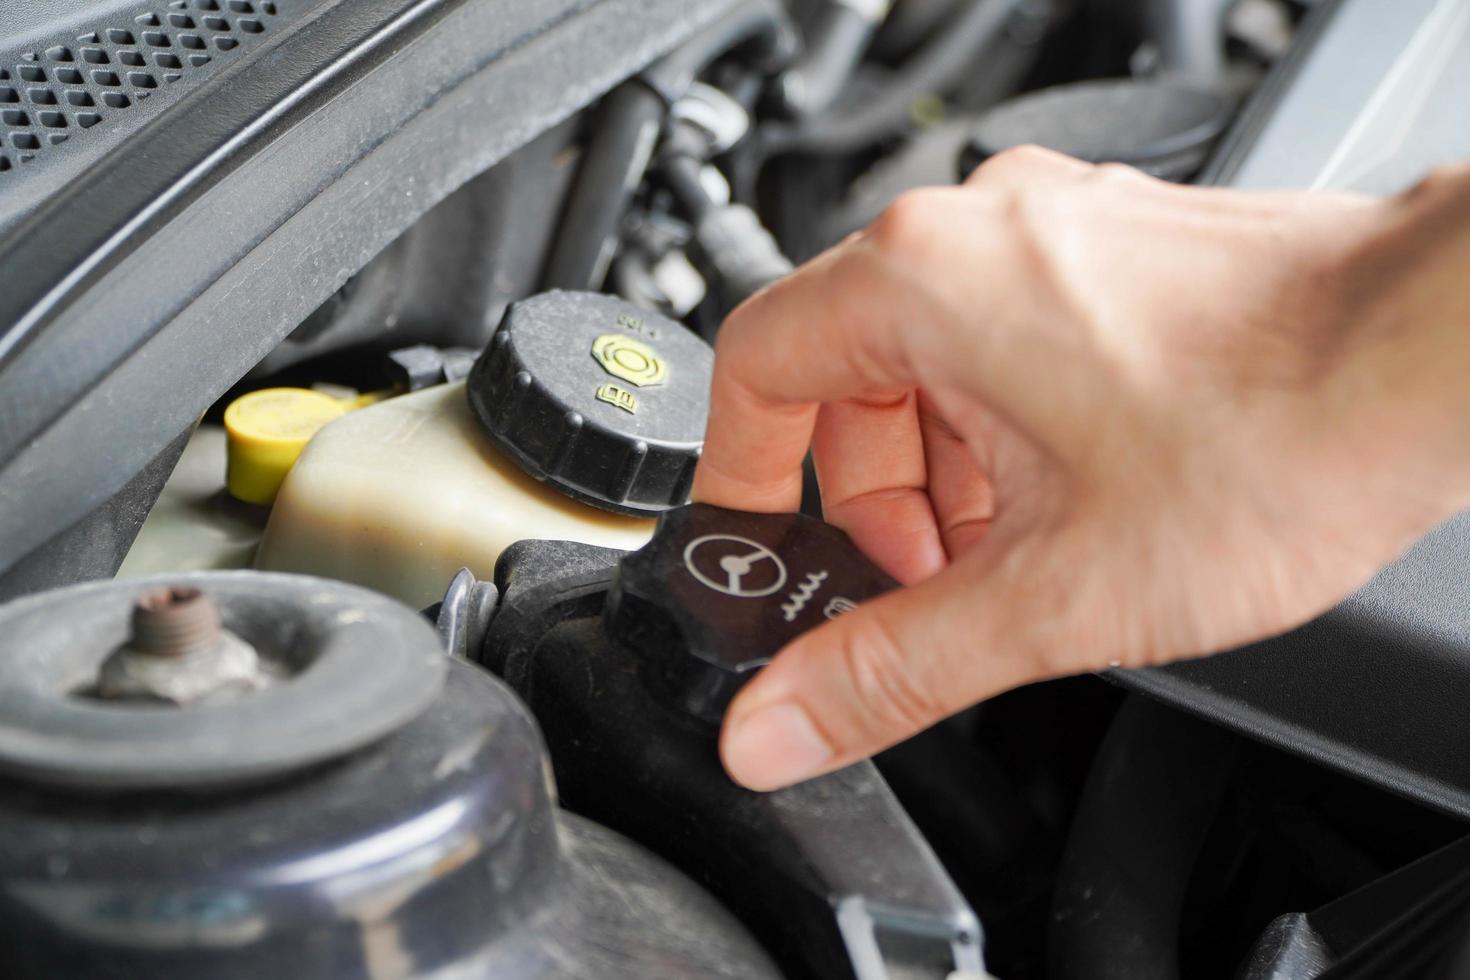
199,198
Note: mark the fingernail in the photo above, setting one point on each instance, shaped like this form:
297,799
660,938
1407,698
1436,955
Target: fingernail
775,746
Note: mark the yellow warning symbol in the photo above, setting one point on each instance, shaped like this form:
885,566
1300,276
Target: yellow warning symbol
621,397
629,360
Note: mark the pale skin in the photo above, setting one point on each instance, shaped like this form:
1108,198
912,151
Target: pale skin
1088,419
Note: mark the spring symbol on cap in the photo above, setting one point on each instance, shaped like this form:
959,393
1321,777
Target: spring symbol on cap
797,600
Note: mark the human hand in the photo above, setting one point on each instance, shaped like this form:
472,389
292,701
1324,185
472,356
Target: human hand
1089,419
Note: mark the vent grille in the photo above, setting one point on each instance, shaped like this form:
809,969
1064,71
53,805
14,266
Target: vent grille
47,95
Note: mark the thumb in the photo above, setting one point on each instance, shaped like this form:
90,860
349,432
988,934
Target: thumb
871,678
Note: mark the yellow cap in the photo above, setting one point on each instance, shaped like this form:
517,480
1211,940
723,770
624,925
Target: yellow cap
267,430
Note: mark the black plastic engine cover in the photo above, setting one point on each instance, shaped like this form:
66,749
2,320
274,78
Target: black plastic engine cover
1378,687
185,225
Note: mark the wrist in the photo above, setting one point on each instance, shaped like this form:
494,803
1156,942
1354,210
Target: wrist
1402,380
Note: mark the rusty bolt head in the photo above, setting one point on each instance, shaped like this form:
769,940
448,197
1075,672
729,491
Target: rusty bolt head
172,621
179,652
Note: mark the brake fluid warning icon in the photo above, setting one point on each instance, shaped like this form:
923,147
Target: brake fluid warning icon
629,360
620,397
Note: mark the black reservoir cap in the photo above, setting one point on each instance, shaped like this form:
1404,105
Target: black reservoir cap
601,399
717,593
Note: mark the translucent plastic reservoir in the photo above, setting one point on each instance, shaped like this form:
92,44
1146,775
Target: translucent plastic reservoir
401,495
195,525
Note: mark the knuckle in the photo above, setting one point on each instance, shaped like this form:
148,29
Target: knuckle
1027,220
890,697
1439,183
910,221
1014,163
1117,174
1024,209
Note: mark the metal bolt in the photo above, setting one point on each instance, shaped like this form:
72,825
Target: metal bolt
179,652
175,620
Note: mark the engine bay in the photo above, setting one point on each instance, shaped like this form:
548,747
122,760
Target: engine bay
355,620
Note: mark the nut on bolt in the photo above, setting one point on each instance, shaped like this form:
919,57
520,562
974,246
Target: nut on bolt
179,652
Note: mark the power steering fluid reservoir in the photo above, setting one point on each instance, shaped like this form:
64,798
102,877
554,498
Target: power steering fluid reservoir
582,420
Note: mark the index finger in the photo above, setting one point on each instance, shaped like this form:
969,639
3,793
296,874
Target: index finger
834,329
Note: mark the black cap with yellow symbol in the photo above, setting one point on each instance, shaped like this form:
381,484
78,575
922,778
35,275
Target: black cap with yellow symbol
597,397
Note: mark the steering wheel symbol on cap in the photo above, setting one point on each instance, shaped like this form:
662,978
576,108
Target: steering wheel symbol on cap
734,567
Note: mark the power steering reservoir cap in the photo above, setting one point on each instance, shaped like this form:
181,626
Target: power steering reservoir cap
597,397
717,593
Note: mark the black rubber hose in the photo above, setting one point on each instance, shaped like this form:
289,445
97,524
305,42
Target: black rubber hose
681,173
1148,804
910,24
761,26
616,159
734,247
1188,36
631,119
940,65
834,47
